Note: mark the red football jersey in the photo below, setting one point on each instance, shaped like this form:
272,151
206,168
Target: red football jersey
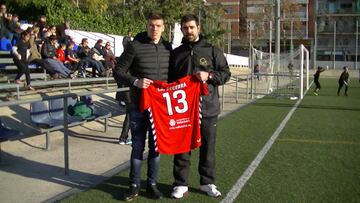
175,113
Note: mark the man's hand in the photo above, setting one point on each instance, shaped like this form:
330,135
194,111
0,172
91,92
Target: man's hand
143,83
202,76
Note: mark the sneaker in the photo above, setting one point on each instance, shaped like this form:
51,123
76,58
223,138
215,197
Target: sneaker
316,93
179,191
55,76
132,193
211,190
122,142
29,87
128,142
153,192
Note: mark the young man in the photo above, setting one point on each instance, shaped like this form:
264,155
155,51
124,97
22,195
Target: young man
316,80
344,80
145,59
198,57
20,57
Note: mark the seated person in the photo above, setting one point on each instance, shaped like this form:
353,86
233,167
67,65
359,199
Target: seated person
109,57
73,62
35,56
48,52
84,53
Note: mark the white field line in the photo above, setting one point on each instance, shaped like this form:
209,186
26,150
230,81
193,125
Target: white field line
240,183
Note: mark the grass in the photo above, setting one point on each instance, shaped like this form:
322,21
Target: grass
315,159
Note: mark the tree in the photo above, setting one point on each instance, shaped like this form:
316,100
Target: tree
115,17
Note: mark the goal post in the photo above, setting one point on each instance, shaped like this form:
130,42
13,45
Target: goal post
290,79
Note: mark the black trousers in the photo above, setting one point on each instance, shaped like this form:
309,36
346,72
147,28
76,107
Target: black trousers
23,68
341,84
316,81
126,124
206,166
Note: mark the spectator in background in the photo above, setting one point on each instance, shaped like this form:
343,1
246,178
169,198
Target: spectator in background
60,52
3,21
98,48
85,54
124,101
35,56
3,11
14,28
20,57
51,31
60,32
344,80
73,61
256,71
48,52
43,26
98,53
127,39
109,57
291,68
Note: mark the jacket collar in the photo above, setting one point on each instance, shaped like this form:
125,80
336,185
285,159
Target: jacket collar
192,44
144,38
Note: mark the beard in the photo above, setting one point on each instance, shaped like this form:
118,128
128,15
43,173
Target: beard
191,38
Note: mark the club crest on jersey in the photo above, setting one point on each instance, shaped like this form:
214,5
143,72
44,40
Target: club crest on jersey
172,122
203,61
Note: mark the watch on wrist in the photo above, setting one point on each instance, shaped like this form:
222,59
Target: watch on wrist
211,75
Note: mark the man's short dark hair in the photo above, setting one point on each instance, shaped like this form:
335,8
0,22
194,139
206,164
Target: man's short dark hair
155,16
188,18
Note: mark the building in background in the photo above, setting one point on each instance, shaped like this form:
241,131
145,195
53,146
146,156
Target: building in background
336,30
296,18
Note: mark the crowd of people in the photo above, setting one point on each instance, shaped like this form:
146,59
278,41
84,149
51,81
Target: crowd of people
49,47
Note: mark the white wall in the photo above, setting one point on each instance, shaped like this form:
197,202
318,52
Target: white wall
116,42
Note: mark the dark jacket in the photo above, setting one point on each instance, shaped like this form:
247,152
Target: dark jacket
48,50
126,41
83,52
344,77
143,59
190,58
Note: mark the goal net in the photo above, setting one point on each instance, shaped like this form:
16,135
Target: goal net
288,78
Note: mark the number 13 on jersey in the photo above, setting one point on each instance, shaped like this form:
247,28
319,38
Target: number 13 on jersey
181,105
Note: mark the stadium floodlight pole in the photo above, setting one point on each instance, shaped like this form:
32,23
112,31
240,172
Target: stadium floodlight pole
356,45
229,37
334,54
270,45
291,39
277,34
251,54
315,45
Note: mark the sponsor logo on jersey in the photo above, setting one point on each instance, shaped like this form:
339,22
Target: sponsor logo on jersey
172,122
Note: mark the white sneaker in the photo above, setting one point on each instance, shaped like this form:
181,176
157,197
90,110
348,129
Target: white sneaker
179,192
122,142
211,190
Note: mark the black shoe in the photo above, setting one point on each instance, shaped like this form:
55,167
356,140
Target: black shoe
153,192
131,193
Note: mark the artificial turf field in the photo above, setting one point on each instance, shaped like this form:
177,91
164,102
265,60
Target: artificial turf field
316,157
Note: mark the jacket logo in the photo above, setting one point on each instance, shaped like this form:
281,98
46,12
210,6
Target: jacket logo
203,61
